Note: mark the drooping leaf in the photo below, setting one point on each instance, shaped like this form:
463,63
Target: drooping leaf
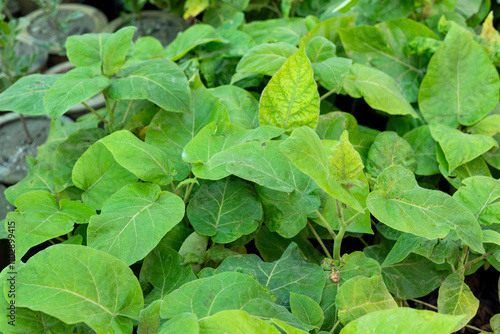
378,89
190,38
68,282
387,150
72,88
288,274
225,209
459,147
415,322
266,58
399,202
134,220
242,107
456,298
481,196
157,80
459,66
290,99
144,160
306,309
26,95
361,295
40,217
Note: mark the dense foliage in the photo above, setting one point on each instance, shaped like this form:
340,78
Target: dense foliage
197,201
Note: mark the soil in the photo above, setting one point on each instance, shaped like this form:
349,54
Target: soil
163,29
15,148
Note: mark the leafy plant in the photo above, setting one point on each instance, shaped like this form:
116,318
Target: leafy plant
222,164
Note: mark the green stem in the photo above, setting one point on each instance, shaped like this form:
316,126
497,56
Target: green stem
324,96
128,110
338,239
96,113
60,239
188,191
335,326
327,253
353,218
476,260
327,226
111,111
423,303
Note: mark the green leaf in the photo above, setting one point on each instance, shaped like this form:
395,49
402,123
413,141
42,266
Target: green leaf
400,203
192,37
26,95
389,149
288,274
72,88
362,295
379,90
207,296
492,157
357,264
144,160
332,72
345,161
424,148
276,30
163,268
385,9
402,248
415,322
87,49
320,49
458,67
384,47
225,209
266,58
115,50
481,194
235,322
171,132
145,48
290,99
99,175
157,80
333,124
306,151
68,282
186,323
149,318
134,220
40,217
68,153
459,147
194,246
242,107
306,309
455,298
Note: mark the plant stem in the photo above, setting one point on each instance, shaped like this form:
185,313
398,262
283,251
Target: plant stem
338,239
423,303
96,113
128,110
25,128
111,111
327,226
188,191
353,218
335,326
324,96
327,253
476,260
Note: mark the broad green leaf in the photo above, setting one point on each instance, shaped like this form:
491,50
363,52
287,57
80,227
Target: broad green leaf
414,277
332,72
242,107
459,147
40,177
214,139
476,167
268,310
225,209
276,30
290,99
171,132
157,80
115,50
144,160
328,304
459,66
186,323
266,58
332,125
455,298
390,322
306,151
99,175
481,196
68,153
26,95
194,7
192,37
235,322
87,49
399,202
72,88
163,268
424,148
194,246
306,309
384,47
385,9
402,248
489,126
134,220
149,318
320,49
207,296
345,161
357,264
492,157
40,217
68,282
378,89
362,295
146,47
387,150
288,274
